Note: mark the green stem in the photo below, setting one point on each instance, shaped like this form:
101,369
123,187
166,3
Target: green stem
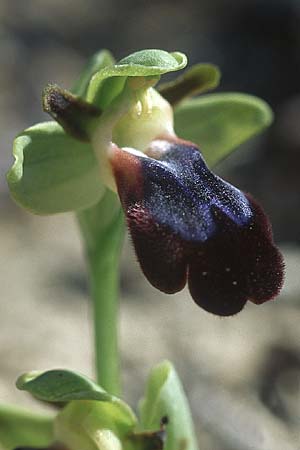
104,290
102,230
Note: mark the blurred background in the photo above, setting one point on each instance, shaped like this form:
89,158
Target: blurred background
242,375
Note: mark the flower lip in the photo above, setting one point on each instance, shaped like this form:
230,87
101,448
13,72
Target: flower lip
179,189
189,225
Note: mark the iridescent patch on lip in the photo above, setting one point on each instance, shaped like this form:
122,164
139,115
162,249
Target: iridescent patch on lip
190,226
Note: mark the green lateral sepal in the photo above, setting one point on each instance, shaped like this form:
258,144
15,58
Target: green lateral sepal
219,123
53,172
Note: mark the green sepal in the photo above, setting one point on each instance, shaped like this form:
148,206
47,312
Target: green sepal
21,428
196,80
165,398
74,114
53,172
218,123
101,59
61,385
145,63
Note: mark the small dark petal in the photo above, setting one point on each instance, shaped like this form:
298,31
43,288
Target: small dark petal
71,112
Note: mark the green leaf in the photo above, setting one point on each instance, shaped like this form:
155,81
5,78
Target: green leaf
97,62
53,172
218,123
19,427
61,386
165,398
199,78
145,63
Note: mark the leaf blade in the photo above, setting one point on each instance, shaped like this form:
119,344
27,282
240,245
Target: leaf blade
61,385
165,398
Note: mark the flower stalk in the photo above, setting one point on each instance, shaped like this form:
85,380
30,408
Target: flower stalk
103,245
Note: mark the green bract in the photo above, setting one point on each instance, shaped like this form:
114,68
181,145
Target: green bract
54,172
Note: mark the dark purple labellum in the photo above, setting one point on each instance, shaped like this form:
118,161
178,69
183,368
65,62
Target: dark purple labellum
189,225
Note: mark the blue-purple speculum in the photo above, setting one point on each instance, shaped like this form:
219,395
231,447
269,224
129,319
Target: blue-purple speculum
190,226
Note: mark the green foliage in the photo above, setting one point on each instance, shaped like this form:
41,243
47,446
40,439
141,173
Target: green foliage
19,427
165,398
61,386
218,123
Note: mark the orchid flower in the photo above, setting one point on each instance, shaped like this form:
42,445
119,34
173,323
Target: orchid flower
121,148
187,225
